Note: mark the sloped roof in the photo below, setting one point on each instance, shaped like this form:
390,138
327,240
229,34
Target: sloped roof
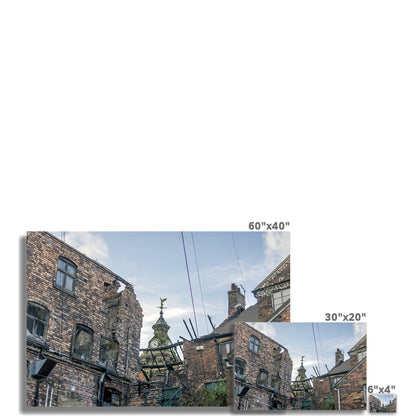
360,345
278,270
247,315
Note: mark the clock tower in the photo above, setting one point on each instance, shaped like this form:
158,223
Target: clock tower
160,356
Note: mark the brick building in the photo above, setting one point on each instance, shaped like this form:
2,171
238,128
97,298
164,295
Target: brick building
273,295
273,300
83,329
263,370
345,384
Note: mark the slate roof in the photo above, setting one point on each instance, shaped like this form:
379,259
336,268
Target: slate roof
278,270
247,315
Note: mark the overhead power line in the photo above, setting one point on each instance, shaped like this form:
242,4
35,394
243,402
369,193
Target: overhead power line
199,280
190,286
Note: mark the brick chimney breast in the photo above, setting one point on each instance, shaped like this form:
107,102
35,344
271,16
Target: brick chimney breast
235,299
339,357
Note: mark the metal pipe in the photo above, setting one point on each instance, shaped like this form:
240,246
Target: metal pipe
50,399
47,394
339,399
37,393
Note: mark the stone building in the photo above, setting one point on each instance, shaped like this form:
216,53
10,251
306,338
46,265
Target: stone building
83,329
345,384
263,370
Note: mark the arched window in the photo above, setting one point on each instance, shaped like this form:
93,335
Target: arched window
65,275
83,343
37,321
262,378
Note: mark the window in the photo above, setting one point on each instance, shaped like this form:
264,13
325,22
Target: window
37,319
262,378
65,275
254,344
112,397
109,352
239,367
226,349
280,297
361,355
276,380
83,343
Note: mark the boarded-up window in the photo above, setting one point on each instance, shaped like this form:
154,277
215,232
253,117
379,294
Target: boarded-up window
276,380
109,352
262,378
83,343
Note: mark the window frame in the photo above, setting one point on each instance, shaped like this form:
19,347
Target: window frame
64,275
254,344
275,379
262,371
78,329
279,292
45,322
100,356
243,365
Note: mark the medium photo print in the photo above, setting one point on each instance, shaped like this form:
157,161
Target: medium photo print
300,366
145,319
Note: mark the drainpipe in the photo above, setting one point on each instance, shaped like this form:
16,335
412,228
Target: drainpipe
339,400
101,388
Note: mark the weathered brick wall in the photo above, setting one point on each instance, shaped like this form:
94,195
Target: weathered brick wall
351,389
322,389
75,380
270,357
201,360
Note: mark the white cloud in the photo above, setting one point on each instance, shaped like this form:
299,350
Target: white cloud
265,328
277,247
90,244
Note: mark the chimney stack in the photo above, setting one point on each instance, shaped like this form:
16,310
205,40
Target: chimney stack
339,357
236,299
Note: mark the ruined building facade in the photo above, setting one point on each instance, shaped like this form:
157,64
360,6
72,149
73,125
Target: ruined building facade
263,371
83,331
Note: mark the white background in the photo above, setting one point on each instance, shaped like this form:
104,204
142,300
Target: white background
206,115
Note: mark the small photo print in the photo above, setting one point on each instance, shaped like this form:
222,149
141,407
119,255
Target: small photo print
382,403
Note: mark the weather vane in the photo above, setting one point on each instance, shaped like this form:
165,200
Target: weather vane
301,359
161,307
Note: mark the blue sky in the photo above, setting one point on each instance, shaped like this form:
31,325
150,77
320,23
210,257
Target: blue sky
299,339
154,263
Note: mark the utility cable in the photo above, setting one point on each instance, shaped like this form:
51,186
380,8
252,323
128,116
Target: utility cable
189,281
199,280
316,349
